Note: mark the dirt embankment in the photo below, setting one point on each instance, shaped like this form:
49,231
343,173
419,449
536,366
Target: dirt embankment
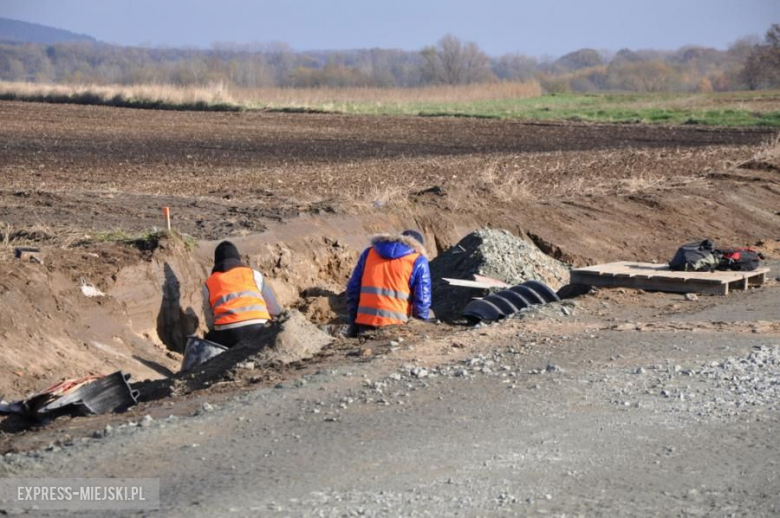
51,330
153,299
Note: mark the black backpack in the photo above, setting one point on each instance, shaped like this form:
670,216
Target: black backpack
739,259
695,257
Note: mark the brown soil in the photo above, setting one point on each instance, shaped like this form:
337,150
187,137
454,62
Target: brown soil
95,168
300,194
52,330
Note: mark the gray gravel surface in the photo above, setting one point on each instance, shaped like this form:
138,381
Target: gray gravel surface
592,422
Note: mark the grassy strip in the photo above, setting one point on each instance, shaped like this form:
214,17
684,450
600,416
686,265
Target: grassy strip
673,109
500,101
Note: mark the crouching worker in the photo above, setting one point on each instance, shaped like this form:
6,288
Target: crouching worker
237,302
391,283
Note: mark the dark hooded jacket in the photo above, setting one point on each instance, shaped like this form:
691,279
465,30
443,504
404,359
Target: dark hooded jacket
393,247
226,257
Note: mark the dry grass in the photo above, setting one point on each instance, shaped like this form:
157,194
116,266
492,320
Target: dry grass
641,183
218,96
565,175
143,96
5,233
313,97
505,185
473,181
36,235
768,153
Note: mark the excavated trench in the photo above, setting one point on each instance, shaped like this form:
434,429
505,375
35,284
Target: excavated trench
307,261
153,300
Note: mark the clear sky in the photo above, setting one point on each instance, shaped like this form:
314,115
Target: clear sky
534,27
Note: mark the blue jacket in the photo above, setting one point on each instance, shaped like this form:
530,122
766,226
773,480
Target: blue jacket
419,284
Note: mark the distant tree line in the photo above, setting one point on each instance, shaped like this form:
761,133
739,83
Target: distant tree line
746,64
762,65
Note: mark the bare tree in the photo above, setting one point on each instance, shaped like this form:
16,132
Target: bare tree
583,58
761,69
453,62
281,60
515,67
773,36
641,76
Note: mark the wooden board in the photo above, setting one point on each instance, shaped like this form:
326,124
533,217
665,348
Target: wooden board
491,280
479,281
469,284
658,277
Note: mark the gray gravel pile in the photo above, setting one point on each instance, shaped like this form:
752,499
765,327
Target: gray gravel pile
493,253
726,388
720,389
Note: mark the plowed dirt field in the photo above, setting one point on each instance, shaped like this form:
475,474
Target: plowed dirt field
84,168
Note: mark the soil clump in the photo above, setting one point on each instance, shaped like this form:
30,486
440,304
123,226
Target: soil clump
289,339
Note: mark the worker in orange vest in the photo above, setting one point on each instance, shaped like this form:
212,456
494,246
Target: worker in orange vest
237,302
391,282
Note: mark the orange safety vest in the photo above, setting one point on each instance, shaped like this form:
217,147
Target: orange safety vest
234,298
384,290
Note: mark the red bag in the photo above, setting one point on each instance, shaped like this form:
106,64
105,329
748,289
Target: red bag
739,259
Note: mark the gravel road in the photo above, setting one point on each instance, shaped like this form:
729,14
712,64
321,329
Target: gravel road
600,420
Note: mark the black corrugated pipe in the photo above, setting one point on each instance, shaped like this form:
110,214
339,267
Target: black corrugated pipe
504,303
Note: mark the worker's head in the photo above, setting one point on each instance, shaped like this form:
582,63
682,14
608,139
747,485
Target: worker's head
414,234
226,250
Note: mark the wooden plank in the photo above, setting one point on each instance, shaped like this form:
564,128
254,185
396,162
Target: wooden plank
658,277
646,284
649,270
463,283
491,280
